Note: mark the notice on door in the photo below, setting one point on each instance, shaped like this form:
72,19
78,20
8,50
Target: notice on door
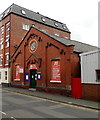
56,71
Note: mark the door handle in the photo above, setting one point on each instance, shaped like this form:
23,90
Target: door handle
32,76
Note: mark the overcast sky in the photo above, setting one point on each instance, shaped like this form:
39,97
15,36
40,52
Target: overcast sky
80,16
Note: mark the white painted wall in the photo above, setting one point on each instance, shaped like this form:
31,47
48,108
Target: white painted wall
89,63
2,70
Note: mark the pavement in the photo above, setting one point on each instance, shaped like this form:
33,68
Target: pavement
58,98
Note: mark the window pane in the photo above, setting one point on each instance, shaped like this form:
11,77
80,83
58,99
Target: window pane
1,43
7,59
25,27
98,75
0,75
5,75
8,26
1,59
7,41
2,30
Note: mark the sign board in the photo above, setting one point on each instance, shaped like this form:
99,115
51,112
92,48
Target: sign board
56,71
21,70
26,77
39,76
33,66
17,72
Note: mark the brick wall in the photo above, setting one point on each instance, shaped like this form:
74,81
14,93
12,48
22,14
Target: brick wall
75,65
17,33
4,50
91,91
46,52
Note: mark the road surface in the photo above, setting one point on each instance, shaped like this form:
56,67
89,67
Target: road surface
17,105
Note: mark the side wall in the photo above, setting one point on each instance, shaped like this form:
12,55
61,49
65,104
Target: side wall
90,86
91,91
75,66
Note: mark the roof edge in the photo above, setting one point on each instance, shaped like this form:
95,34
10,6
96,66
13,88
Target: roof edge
40,31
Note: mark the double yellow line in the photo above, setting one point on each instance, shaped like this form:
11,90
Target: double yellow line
44,99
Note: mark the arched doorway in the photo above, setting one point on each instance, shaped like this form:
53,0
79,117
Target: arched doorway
33,75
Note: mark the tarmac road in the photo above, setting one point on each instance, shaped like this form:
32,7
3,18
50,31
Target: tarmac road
17,106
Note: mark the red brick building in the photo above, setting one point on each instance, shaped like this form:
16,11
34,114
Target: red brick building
15,21
36,52
40,54
47,62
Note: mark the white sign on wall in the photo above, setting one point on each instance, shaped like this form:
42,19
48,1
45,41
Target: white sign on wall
21,70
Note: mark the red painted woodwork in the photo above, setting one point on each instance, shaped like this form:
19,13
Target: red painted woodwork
76,88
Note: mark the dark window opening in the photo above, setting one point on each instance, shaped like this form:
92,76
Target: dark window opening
98,75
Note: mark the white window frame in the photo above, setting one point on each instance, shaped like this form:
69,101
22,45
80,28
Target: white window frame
6,75
7,59
66,37
7,41
23,12
8,26
56,24
25,27
1,55
43,19
43,30
56,34
1,43
2,30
